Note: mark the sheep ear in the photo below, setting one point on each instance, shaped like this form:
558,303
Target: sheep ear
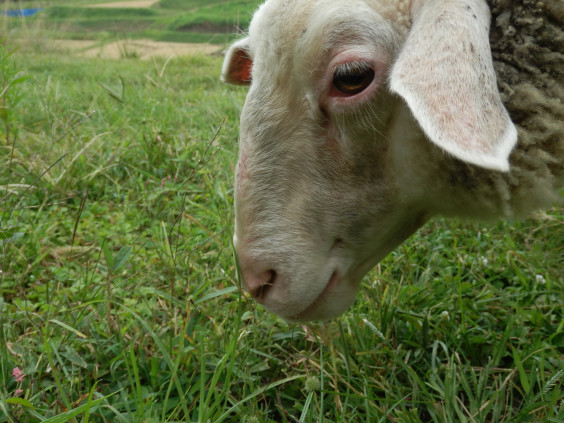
237,64
445,74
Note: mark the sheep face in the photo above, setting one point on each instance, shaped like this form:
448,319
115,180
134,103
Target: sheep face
329,178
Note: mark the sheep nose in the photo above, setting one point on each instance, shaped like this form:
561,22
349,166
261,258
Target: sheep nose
259,283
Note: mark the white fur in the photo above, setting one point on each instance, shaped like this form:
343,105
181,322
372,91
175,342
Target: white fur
327,184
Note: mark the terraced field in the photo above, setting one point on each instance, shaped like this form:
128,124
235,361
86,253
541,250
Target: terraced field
194,21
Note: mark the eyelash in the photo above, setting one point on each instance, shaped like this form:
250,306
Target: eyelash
351,67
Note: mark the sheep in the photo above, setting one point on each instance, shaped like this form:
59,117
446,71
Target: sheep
366,118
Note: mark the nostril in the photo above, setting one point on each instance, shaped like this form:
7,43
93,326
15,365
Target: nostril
259,285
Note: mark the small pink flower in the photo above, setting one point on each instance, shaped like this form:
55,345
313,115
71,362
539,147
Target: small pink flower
18,392
18,374
168,178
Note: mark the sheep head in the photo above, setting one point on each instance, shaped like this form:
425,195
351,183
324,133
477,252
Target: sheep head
354,108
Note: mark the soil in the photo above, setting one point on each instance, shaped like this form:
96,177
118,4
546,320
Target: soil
143,49
136,4
209,28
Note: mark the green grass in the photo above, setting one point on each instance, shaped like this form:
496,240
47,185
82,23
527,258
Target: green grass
119,293
227,16
187,21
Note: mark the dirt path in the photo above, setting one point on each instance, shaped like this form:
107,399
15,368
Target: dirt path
143,49
137,4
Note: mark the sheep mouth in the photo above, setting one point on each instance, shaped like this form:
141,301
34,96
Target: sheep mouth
303,315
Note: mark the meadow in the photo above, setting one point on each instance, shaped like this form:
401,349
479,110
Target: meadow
120,299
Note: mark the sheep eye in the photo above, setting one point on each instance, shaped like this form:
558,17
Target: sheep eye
352,78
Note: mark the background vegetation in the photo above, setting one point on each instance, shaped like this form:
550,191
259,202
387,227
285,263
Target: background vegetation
120,300
215,21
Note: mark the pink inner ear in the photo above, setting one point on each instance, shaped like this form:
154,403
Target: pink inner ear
240,68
